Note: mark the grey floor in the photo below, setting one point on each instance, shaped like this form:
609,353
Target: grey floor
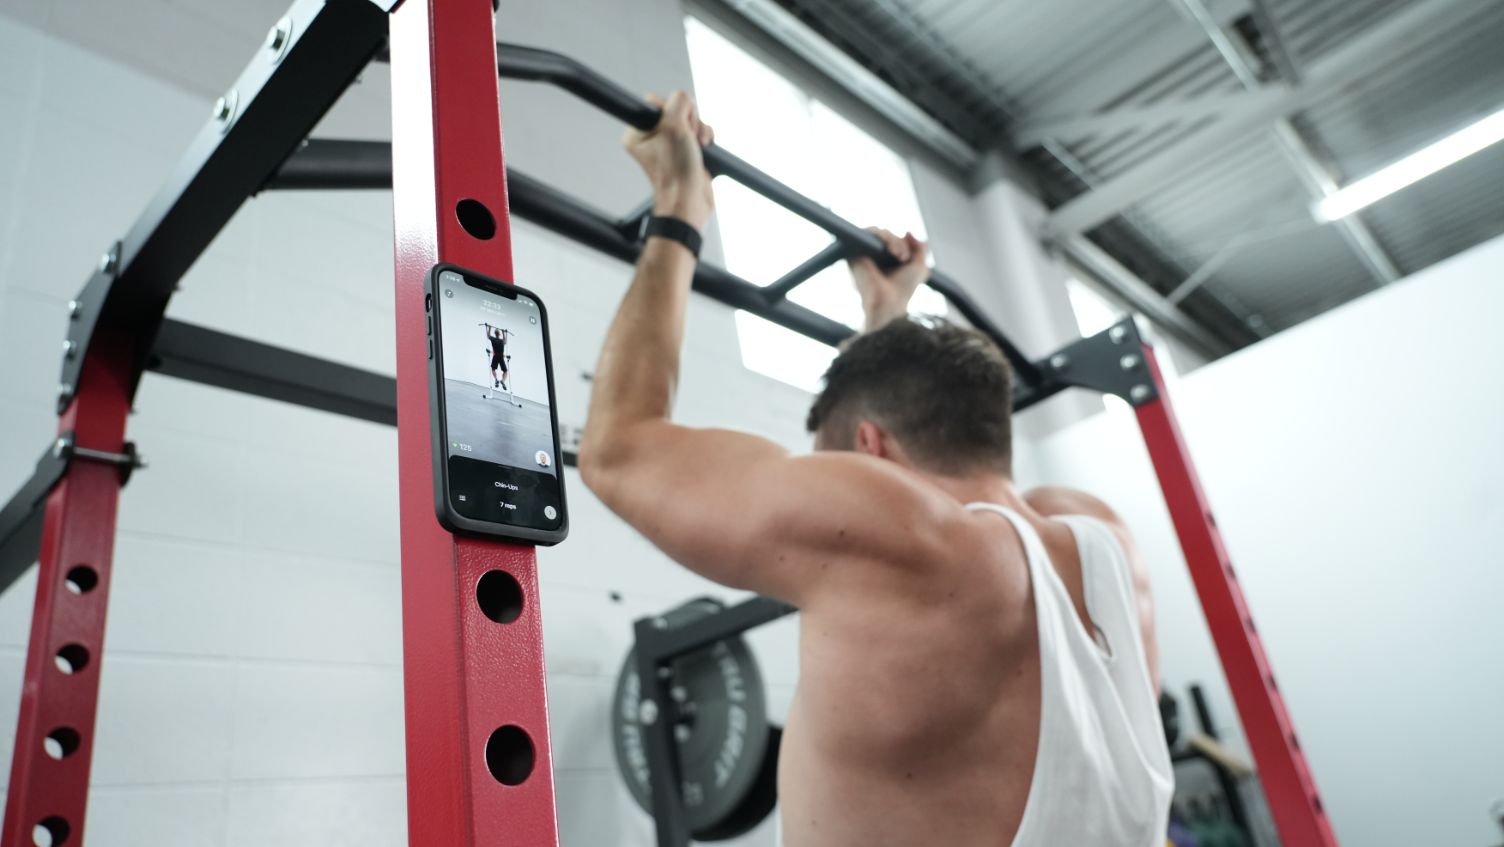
496,428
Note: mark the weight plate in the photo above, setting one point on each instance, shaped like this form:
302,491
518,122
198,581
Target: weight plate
761,797
719,710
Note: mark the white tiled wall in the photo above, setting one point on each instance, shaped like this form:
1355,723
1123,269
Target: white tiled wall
251,690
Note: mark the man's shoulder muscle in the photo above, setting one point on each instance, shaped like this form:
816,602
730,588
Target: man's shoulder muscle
867,506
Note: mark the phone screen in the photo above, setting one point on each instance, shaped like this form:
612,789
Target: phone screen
502,450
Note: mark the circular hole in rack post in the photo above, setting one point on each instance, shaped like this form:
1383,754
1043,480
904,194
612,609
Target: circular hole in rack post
61,743
509,755
476,219
81,579
72,658
499,596
50,832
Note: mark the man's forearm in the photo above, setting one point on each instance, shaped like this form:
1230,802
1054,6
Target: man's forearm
639,364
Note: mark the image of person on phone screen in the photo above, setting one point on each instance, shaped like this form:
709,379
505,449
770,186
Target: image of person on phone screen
497,402
499,358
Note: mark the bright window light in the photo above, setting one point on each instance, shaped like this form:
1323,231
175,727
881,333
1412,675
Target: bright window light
783,130
781,353
1413,168
1093,312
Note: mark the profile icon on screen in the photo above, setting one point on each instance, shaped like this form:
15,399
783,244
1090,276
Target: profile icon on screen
543,459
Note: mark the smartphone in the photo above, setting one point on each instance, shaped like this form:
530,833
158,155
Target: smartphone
491,396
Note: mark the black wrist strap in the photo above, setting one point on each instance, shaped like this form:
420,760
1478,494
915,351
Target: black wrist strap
674,230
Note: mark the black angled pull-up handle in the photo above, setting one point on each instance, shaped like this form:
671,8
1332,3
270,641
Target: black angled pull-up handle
515,61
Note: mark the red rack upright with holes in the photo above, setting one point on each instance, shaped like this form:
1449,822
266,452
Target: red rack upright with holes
476,704
1286,777
49,777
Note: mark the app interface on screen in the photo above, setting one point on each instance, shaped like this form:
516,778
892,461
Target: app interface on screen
500,430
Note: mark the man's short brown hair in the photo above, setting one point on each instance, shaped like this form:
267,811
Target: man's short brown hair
944,391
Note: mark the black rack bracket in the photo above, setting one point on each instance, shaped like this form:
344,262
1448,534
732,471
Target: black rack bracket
21,518
83,314
1112,362
128,460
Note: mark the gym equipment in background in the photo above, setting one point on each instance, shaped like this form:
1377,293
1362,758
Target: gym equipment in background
725,750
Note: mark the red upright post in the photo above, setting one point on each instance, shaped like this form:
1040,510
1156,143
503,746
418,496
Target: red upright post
479,769
1282,766
49,774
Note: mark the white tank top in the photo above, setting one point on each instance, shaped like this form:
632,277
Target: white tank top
1102,774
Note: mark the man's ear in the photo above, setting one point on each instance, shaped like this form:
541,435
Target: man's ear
871,439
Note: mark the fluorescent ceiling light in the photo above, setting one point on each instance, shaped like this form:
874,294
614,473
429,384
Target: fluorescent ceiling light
1413,168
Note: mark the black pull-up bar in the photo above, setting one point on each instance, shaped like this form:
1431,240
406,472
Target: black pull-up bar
518,62
515,61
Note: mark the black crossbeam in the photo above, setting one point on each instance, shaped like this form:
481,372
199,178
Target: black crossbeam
21,519
207,356
210,357
663,643
341,164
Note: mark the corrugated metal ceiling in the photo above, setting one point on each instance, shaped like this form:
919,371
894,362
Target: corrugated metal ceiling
1006,66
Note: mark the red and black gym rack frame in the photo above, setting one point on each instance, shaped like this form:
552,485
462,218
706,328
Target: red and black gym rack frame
479,768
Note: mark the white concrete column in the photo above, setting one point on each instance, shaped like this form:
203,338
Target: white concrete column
990,243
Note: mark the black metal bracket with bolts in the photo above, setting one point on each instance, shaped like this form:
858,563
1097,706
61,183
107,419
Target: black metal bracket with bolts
128,460
1112,362
83,314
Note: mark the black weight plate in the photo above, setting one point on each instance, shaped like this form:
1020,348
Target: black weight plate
720,712
760,799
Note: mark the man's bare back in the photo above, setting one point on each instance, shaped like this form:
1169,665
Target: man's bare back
916,720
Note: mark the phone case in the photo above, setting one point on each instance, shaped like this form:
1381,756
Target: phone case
438,425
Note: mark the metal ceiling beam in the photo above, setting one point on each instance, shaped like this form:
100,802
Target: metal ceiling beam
1345,65
1133,290
1083,92
789,32
861,83
1313,174
974,113
1320,183
1274,38
1036,131
1096,264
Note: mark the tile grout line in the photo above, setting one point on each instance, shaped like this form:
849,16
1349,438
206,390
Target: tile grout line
235,663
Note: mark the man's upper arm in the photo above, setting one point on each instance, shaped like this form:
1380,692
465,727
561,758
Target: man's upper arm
742,511
1053,500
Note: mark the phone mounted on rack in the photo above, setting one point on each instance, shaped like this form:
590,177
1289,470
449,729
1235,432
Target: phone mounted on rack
497,462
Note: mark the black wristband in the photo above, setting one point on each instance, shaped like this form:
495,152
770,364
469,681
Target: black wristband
673,229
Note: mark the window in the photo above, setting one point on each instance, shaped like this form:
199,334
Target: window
795,138
1093,311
